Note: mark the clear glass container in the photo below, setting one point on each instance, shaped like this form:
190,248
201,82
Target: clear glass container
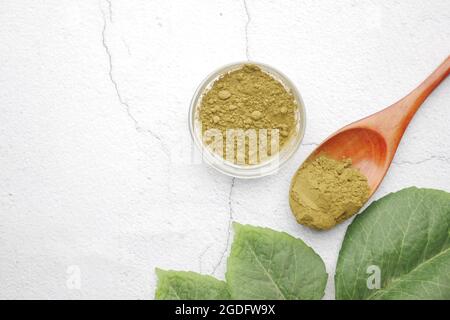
273,163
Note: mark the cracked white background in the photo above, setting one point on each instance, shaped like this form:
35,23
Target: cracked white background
94,141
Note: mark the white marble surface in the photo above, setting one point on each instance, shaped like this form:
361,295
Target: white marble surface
94,142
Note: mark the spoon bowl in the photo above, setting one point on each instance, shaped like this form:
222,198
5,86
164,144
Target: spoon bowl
371,143
365,147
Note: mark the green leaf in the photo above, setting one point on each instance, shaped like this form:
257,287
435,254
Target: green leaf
266,264
181,285
406,236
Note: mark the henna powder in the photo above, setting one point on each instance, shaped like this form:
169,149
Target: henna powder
252,102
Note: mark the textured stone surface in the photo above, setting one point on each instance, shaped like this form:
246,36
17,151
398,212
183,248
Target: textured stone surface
95,177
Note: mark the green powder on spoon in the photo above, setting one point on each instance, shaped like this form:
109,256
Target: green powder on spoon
325,192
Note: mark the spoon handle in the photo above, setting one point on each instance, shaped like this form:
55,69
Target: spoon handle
415,99
392,121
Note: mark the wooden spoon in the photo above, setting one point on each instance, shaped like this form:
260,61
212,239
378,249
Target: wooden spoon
371,142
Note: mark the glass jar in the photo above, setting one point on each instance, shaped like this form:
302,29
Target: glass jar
247,171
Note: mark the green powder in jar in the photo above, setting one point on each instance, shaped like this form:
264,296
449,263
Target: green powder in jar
248,99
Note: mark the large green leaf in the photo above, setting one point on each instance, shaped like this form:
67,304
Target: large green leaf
265,264
405,235
181,285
